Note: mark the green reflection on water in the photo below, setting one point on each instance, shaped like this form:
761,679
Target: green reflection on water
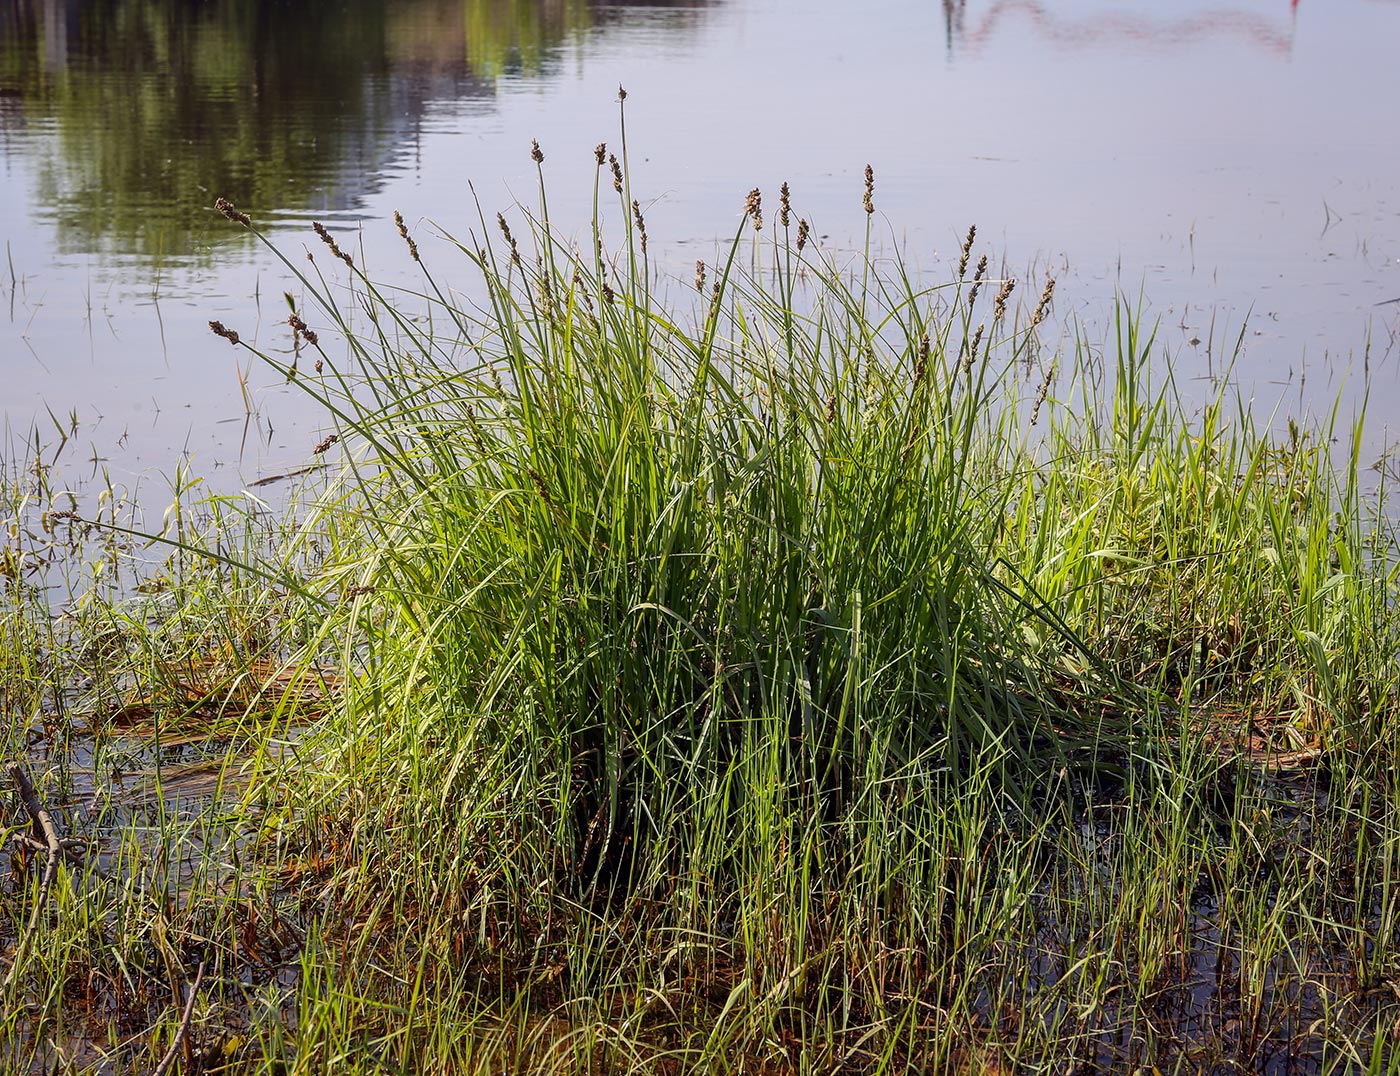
135,114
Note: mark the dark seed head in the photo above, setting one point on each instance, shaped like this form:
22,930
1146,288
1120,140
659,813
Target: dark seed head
219,329
753,207
224,206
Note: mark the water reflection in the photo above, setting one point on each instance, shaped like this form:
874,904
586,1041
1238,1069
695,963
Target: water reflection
1270,27
136,113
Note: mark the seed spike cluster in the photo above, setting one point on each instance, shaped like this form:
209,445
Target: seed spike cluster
616,172
299,328
543,288
320,229
1043,392
219,329
600,153
784,205
803,229
403,231
999,306
977,279
699,276
224,206
969,353
869,200
536,154
505,231
1042,308
966,251
641,223
753,208
475,430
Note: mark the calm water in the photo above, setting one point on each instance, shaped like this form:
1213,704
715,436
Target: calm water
1223,160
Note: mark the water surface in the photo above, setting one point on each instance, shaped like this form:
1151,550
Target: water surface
1226,161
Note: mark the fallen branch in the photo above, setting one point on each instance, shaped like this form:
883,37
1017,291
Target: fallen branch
42,825
75,850
169,1059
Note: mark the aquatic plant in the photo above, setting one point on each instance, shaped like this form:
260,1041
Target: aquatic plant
812,671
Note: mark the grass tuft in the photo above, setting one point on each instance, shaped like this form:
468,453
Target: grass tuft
807,673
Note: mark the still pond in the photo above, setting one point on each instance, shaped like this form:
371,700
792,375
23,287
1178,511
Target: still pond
1232,164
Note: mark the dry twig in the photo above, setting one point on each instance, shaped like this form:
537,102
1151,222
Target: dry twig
42,826
169,1059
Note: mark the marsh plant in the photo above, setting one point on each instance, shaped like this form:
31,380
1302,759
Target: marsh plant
800,668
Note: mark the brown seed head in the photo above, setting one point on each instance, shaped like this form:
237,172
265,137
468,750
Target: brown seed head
299,327
220,330
1043,393
869,200
616,172
600,152
536,154
999,306
476,430
966,251
403,231
1043,307
581,289
700,276
970,350
921,361
505,231
803,229
224,206
540,487
784,205
320,229
621,93
324,445
753,207
641,222
977,278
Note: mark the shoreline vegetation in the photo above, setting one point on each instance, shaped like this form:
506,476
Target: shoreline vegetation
806,672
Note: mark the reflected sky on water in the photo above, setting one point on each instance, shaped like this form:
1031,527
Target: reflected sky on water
1222,160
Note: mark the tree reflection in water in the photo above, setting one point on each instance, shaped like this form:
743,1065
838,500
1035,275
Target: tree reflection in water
136,113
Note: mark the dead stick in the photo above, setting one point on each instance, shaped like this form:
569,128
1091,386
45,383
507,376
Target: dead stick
39,818
42,825
169,1059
